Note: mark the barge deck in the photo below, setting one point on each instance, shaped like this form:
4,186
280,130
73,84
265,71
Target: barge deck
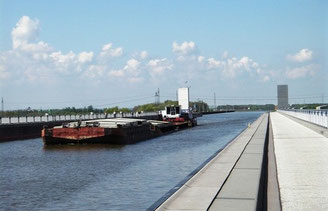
109,131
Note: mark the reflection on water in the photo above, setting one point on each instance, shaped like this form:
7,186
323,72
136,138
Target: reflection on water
82,147
107,177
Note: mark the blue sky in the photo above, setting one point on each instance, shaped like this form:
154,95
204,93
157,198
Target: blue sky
77,53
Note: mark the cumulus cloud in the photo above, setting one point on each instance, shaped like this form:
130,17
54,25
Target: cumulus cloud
231,67
200,59
185,48
135,79
85,57
301,72
108,51
301,56
38,60
159,66
3,73
26,30
131,69
143,54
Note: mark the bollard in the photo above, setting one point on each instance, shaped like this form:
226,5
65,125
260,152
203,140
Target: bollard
9,120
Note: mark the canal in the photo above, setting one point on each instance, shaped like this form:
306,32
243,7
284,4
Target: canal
105,177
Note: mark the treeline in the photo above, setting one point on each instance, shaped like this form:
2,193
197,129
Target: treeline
53,112
151,107
307,106
266,107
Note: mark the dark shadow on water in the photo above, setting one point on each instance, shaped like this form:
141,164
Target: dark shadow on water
82,147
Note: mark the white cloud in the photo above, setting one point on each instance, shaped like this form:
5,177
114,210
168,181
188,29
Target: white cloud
85,57
301,56
60,58
38,60
135,79
301,72
131,69
3,73
186,48
132,64
108,51
231,67
26,30
143,54
159,66
116,73
200,59
213,64
94,71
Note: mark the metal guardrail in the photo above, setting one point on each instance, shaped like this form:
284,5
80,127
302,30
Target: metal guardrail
50,118
319,117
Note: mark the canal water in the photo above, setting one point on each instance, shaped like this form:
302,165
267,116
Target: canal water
102,177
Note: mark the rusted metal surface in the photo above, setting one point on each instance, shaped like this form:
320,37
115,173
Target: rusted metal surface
76,133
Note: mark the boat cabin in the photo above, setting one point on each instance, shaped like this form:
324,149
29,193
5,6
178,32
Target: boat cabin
171,112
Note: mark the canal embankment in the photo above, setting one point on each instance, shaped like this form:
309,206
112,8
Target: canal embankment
234,179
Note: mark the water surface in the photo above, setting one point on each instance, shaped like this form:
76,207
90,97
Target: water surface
104,177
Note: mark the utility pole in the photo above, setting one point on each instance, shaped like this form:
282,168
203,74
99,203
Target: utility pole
157,97
214,102
2,105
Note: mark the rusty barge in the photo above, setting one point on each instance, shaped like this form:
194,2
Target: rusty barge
109,131
124,130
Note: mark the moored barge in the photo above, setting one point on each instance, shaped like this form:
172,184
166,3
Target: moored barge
109,131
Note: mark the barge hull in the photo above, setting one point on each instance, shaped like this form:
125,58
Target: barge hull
101,135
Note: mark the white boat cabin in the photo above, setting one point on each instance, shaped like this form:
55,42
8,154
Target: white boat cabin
171,112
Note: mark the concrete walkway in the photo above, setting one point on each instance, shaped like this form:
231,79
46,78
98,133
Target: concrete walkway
231,180
302,164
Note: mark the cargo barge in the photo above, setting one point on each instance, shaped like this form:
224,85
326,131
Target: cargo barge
109,131
124,130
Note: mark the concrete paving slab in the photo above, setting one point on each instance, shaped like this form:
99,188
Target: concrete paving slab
250,161
254,148
317,128
201,189
241,184
211,179
232,205
302,165
192,198
258,140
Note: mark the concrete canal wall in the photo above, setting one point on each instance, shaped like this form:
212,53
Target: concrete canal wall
235,179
